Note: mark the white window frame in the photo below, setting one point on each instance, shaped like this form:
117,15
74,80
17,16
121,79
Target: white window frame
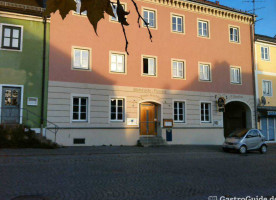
233,39
263,55
124,62
21,103
155,66
210,112
89,58
21,37
184,110
183,77
78,8
88,107
232,79
270,88
124,109
182,23
112,19
201,34
209,78
149,10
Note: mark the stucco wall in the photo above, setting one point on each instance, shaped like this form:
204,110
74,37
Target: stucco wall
216,50
191,132
25,67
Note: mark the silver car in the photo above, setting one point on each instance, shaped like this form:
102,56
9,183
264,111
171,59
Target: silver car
245,140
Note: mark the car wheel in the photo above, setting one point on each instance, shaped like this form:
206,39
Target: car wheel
263,149
243,149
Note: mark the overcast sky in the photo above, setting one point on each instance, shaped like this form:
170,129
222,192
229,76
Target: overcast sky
266,26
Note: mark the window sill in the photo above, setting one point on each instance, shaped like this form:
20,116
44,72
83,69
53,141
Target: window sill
10,49
79,121
117,121
205,37
149,75
233,83
80,69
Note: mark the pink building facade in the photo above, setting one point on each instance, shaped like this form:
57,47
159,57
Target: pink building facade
200,52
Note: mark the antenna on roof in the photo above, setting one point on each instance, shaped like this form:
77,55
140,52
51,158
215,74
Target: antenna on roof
254,4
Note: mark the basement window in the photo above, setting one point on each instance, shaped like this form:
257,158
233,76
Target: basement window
79,140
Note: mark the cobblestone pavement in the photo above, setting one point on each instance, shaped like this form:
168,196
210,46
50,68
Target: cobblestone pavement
132,173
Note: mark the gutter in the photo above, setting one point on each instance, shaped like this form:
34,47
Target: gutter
252,30
43,74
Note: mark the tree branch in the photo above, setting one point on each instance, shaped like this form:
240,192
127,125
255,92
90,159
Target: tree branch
140,17
125,39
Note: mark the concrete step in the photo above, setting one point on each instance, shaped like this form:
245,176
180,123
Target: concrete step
152,141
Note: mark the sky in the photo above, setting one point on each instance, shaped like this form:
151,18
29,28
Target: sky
266,26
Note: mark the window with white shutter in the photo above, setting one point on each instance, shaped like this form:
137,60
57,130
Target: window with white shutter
178,69
267,88
117,63
149,66
204,72
235,75
203,28
265,53
81,58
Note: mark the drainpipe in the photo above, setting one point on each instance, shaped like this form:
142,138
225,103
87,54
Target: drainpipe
43,74
253,68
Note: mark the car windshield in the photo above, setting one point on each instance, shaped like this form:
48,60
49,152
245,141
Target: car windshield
238,133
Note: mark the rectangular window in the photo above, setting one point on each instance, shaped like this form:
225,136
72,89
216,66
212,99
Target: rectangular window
150,18
78,8
117,109
81,59
265,53
234,34
206,112
177,24
11,37
149,66
114,8
203,28
235,75
179,112
267,88
117,63
178,69
205,73
80,109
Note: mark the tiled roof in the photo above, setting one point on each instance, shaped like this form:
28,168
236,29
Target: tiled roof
37,3
31,7
265,38
217,4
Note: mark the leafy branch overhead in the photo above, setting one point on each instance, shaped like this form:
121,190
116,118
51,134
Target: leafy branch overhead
95,12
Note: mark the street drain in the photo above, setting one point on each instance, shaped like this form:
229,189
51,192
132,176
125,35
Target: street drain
29,197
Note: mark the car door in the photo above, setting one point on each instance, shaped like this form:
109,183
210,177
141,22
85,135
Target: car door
253,139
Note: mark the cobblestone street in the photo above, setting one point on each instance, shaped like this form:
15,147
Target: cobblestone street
130,173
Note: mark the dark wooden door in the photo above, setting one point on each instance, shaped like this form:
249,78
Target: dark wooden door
10,108
148,119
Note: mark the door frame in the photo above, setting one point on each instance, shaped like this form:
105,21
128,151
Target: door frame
161,114
21,101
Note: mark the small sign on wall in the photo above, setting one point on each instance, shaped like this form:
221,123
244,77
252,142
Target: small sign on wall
168,123
132,121
32,101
